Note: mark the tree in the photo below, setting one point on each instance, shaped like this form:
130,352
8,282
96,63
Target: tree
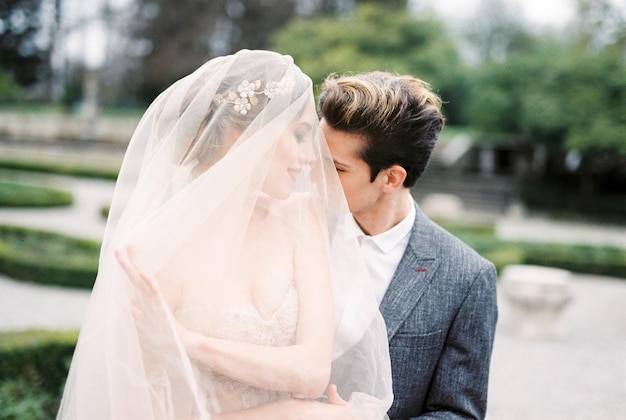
560,96
20,54
495,31
174,37
599,24
565,101
182,35
373,37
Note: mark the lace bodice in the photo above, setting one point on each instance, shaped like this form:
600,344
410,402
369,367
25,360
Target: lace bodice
250,327
241,325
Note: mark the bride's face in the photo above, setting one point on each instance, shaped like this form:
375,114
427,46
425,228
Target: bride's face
294,152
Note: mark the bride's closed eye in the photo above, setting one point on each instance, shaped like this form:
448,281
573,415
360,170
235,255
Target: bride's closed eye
302,134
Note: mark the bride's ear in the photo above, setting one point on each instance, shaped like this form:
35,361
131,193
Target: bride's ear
395,176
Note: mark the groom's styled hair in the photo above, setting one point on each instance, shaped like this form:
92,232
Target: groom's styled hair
398,117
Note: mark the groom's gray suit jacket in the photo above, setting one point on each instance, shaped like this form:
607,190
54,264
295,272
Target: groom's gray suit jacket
441,311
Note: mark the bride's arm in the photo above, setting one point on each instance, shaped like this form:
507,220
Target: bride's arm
294,408
302,368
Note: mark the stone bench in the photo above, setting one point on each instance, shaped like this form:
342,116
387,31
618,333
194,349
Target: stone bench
535,297
442,205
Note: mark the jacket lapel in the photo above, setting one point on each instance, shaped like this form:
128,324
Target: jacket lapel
414,272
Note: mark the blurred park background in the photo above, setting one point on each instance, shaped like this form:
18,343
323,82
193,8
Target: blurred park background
530,169
535,91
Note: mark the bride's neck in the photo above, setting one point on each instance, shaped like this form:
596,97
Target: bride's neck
262,208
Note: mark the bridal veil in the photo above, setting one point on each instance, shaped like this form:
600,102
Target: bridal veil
227,186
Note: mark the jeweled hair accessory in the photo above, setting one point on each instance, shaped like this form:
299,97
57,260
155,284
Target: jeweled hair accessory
246,96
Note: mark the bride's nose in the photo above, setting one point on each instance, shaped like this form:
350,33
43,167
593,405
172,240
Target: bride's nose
307,154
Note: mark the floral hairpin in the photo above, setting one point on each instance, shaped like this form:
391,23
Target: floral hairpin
246,96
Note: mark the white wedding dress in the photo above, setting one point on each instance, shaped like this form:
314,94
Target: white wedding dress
250,327
189,201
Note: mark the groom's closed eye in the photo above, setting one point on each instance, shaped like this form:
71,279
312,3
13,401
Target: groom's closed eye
339,166
330,162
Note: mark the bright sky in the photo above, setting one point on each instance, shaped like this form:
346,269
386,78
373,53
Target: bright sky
552,13
90,43
540,12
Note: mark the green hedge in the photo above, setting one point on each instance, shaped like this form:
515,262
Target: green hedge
56,168
601,260
10,92
22,195
33,369
48,258
605,261
54,259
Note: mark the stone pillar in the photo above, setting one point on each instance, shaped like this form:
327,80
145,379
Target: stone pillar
487,161
90,104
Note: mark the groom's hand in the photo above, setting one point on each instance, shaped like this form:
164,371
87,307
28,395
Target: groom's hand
335,408
296,409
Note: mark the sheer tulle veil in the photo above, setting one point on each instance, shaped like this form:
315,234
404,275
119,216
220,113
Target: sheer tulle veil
227,194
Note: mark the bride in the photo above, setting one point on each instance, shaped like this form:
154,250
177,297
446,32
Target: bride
230,283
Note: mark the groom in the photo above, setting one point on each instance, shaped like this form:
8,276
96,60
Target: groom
438,296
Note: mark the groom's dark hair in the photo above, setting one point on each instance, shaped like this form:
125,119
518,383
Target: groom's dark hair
398,117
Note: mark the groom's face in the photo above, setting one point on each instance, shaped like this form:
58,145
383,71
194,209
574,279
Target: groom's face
362,194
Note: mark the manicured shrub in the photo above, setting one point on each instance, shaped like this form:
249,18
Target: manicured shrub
10,92
33,369
21,195
20,399
85,172
607,261
504,255
601,260
48,258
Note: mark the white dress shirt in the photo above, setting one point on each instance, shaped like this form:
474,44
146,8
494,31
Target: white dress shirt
384,251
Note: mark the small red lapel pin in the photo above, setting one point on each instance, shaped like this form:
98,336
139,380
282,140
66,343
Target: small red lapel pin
420,270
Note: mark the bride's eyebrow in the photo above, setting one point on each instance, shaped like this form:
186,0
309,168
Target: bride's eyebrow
304,124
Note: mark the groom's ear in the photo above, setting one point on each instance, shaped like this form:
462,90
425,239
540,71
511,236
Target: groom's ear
395,176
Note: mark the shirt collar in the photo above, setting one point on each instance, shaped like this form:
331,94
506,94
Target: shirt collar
387,240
